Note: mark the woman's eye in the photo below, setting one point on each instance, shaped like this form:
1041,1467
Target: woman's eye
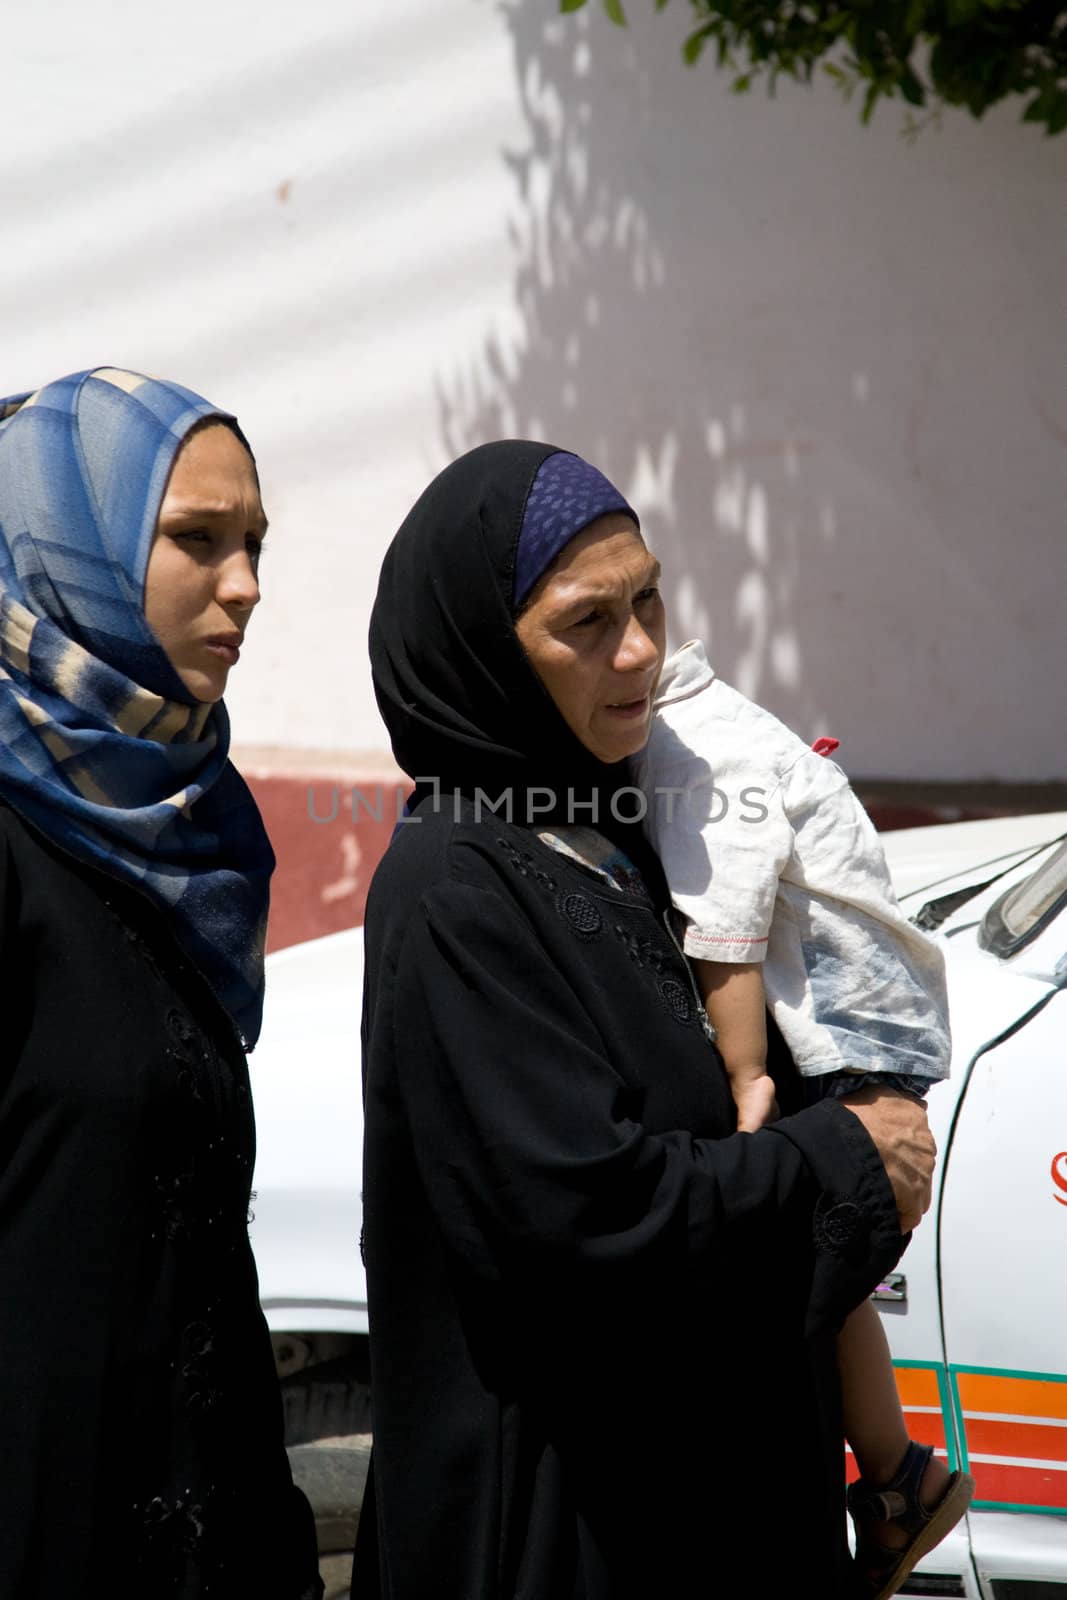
254,547
589,618
195,536
645,595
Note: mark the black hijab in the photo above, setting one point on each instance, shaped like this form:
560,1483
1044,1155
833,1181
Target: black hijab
464,708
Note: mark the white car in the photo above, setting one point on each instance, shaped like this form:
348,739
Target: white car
307,1215
976,1314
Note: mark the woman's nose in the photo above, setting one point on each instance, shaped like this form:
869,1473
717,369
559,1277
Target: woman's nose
238,583
637,649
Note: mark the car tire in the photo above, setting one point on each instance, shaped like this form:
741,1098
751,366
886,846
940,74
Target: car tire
328,1400
336,1575
333,1474
328,1438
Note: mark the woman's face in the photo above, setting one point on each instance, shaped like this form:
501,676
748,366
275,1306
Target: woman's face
594,633
202,584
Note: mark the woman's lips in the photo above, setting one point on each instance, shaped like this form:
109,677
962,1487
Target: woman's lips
230,653
630,710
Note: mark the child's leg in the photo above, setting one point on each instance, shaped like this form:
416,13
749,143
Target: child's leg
874,1421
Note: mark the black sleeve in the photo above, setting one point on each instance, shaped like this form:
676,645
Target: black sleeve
8,888
13,988
533,1167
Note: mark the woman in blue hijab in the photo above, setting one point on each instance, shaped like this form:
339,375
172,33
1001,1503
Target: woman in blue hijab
143,1451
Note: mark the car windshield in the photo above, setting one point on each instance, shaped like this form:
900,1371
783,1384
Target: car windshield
1026,908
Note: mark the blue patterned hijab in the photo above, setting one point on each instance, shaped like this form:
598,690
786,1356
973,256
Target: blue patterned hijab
102,748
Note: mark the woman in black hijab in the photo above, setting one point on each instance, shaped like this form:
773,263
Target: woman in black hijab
601,1320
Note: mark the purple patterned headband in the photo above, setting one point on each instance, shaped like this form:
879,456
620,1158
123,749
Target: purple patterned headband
566,496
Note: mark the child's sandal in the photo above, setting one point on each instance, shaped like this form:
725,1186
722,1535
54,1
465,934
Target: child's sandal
881,1569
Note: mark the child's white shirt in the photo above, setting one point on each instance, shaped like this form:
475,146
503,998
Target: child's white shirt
771,858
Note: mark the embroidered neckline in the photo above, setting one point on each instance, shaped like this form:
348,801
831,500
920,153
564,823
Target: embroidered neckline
590,849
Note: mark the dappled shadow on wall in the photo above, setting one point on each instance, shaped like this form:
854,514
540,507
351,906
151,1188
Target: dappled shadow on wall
630,349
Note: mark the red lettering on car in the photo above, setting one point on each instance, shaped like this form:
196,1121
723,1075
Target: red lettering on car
1059,1176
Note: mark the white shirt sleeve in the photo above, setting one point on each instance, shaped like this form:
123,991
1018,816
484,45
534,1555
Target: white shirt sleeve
836,850
718,824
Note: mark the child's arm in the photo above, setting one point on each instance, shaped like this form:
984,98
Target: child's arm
736,1005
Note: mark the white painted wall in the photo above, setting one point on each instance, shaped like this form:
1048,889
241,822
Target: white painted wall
827,364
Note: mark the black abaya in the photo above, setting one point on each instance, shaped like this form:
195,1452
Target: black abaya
143,1456
601,1320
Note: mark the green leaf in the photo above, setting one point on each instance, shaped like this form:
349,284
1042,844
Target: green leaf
971,53
1058,117
571,5
846,82
911,88
615,12
1042,105
694,45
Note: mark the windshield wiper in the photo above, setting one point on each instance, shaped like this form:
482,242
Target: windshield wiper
930,916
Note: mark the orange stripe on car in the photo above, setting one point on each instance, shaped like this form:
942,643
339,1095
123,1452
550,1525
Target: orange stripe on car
918,1386
1019,1397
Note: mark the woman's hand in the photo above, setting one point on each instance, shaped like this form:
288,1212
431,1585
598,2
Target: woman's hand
898,1125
